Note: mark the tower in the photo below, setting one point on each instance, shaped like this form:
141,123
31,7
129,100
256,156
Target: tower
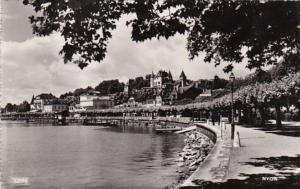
32,106
32,100
152,80
182,79
170,76
126,87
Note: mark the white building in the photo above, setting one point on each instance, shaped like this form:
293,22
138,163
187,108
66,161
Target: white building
132,103
86,100
93,100
160,79
55,108
76,108
157,101
37,103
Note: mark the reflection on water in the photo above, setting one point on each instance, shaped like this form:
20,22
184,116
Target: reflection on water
90,157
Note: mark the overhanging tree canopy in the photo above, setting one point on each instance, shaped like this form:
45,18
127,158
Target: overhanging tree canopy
224,30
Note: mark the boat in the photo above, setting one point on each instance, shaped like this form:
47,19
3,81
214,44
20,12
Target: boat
60,120
166,129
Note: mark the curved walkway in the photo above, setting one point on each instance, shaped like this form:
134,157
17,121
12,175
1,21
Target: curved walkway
215,166
269,157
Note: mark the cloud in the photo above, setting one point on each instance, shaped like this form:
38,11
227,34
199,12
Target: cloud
16,25
33,66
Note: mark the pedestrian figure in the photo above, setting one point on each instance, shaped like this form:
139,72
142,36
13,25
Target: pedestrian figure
229,117
213,117
210,118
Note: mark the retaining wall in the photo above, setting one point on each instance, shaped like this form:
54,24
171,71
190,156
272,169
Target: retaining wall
215,166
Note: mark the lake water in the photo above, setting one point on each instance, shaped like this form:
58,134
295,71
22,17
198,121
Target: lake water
87,157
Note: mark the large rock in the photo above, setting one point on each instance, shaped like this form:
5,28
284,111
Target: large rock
196,148
192,168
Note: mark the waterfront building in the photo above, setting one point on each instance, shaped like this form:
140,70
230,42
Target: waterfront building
103,102
132,103
37,103
48,108
152,102
149,103
158,101
86,99
94,100
76,108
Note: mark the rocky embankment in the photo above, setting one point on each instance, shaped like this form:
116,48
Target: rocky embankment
197,147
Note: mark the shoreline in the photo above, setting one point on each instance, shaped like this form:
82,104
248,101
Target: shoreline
197,147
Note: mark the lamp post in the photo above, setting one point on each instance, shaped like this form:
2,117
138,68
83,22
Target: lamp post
232,78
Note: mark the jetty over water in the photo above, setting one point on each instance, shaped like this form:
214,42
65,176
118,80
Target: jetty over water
94,118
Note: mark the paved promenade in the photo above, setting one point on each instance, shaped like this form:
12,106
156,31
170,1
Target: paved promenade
266,151
268,158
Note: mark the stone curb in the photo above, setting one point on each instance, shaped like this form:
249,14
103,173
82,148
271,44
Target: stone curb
215,166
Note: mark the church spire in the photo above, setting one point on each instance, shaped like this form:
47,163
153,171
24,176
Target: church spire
170,76
182,78
152,79
32,99
182,75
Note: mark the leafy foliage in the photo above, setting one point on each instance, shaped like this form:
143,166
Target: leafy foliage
139,82
11,107
110,87
227,31
267,94
65,95
261,92
80,91
23,107
219,83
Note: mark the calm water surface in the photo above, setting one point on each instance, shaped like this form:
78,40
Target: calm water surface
88,157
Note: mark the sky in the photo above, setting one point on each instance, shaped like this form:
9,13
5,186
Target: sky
32,65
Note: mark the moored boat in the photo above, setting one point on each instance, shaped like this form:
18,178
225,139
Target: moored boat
166,129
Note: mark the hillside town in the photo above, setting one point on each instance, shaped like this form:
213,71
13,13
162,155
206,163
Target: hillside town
153,90
161,94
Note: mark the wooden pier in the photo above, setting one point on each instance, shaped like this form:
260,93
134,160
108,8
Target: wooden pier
94,119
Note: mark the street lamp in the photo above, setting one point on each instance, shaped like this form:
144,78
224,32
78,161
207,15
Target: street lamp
232,78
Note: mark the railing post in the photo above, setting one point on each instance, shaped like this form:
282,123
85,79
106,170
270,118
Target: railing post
239,140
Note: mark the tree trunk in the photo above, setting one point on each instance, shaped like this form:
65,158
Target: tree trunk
213,117
229,115
239,115
262,115
250,116
278,115
245,114
298,114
